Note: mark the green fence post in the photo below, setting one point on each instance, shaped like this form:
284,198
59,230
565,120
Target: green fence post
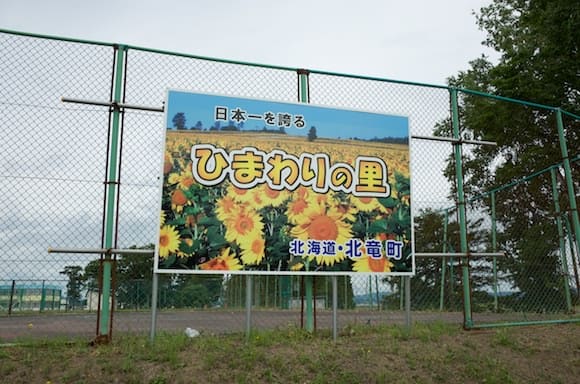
569,181
444,261
451,293
285,291
494,249
573,256
42,297
468,323
21,302
11,300
304,97
561,239
111,195
267,293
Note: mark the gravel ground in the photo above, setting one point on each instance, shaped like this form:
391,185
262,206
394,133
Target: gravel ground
49,325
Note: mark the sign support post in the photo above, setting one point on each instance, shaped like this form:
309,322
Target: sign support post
304,97
468,322
568,175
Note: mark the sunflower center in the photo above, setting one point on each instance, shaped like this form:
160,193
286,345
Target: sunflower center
164,240
257,246
299,206
322,228
244,224
227,203
272,193
187,182
218,264
240,191
178,197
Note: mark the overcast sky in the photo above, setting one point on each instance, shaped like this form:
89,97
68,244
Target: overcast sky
414,40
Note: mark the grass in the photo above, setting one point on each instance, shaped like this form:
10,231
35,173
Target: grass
427,353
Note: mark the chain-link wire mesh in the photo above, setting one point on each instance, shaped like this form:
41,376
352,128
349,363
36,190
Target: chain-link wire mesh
52,167
54,164
518,204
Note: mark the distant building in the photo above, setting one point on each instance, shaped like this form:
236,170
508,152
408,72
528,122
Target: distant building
319,302
92,301
30,297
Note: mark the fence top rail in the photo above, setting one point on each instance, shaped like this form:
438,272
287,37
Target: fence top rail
513,183
113,251
57,38
522,180
572,115
300,70
459,254
507,99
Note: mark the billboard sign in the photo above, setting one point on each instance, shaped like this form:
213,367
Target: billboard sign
258,186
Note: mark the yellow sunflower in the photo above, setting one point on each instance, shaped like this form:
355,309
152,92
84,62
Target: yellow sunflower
226,261
323,224
365,263
243,224
184,179
321,198
297,209
257,199
179,200
162,218
225,207
189,243
167,163
238,194
302,193
168,240
347,210
296,266
252,251
273,197
365,204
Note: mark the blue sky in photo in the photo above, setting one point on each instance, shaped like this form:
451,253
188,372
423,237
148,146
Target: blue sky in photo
329,122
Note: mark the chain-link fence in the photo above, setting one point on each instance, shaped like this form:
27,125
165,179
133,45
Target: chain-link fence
55,178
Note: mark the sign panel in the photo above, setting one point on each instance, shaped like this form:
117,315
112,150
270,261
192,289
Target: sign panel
255,186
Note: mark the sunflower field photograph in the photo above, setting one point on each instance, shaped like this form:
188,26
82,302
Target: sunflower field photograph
270,187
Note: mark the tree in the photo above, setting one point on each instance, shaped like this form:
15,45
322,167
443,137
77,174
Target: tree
179,121
539,46
198,126
312,134
133,277
232,126
191,291
133,283
74,286
540,61
429,237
